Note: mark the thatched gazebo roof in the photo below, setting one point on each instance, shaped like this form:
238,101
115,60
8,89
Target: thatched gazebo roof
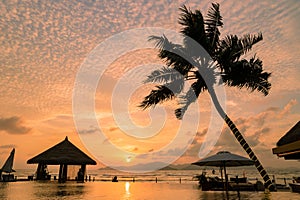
63,153
291,136
224,158
289,145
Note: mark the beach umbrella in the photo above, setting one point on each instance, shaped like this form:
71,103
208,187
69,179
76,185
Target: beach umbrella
224,159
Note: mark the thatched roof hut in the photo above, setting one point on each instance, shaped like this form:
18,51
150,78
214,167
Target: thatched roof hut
289,145
64,153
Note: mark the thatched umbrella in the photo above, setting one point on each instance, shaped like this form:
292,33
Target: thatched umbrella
224,159
289,145
64,153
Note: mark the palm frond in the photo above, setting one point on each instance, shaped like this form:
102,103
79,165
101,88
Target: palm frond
159,95
193,26
163,93
248,74
190,96
172,54
161,42
175,58
212,22
247,41
163,75
232,47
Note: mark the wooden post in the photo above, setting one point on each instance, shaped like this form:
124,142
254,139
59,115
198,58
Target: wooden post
238,187
221,171
226,177
284,179
65,172
41,172
83,168
38,172
60,175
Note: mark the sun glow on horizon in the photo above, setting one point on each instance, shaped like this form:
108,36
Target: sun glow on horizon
128,159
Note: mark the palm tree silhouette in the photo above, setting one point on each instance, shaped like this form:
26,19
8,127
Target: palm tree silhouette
184,64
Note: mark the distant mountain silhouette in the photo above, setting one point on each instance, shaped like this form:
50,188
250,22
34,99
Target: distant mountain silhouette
153,165
169,167
138,167
106,168
189,167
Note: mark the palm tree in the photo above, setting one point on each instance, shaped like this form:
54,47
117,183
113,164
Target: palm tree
226,53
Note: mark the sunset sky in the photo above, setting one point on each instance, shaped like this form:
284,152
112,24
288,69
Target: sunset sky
44,44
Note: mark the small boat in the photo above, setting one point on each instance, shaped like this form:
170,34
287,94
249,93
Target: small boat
8,169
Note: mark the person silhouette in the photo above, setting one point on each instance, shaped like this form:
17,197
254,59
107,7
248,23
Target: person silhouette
115,179
80,175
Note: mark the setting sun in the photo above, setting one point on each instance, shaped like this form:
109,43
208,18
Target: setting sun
128,159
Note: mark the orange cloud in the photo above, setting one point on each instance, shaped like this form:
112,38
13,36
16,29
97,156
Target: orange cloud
288,107
13,125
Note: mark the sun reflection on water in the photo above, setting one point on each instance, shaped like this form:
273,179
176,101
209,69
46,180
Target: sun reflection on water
127,187
127,191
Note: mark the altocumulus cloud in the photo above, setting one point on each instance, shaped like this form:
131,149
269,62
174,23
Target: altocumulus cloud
13,125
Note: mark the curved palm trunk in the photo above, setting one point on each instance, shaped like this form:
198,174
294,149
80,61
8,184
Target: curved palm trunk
241,140
249,151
